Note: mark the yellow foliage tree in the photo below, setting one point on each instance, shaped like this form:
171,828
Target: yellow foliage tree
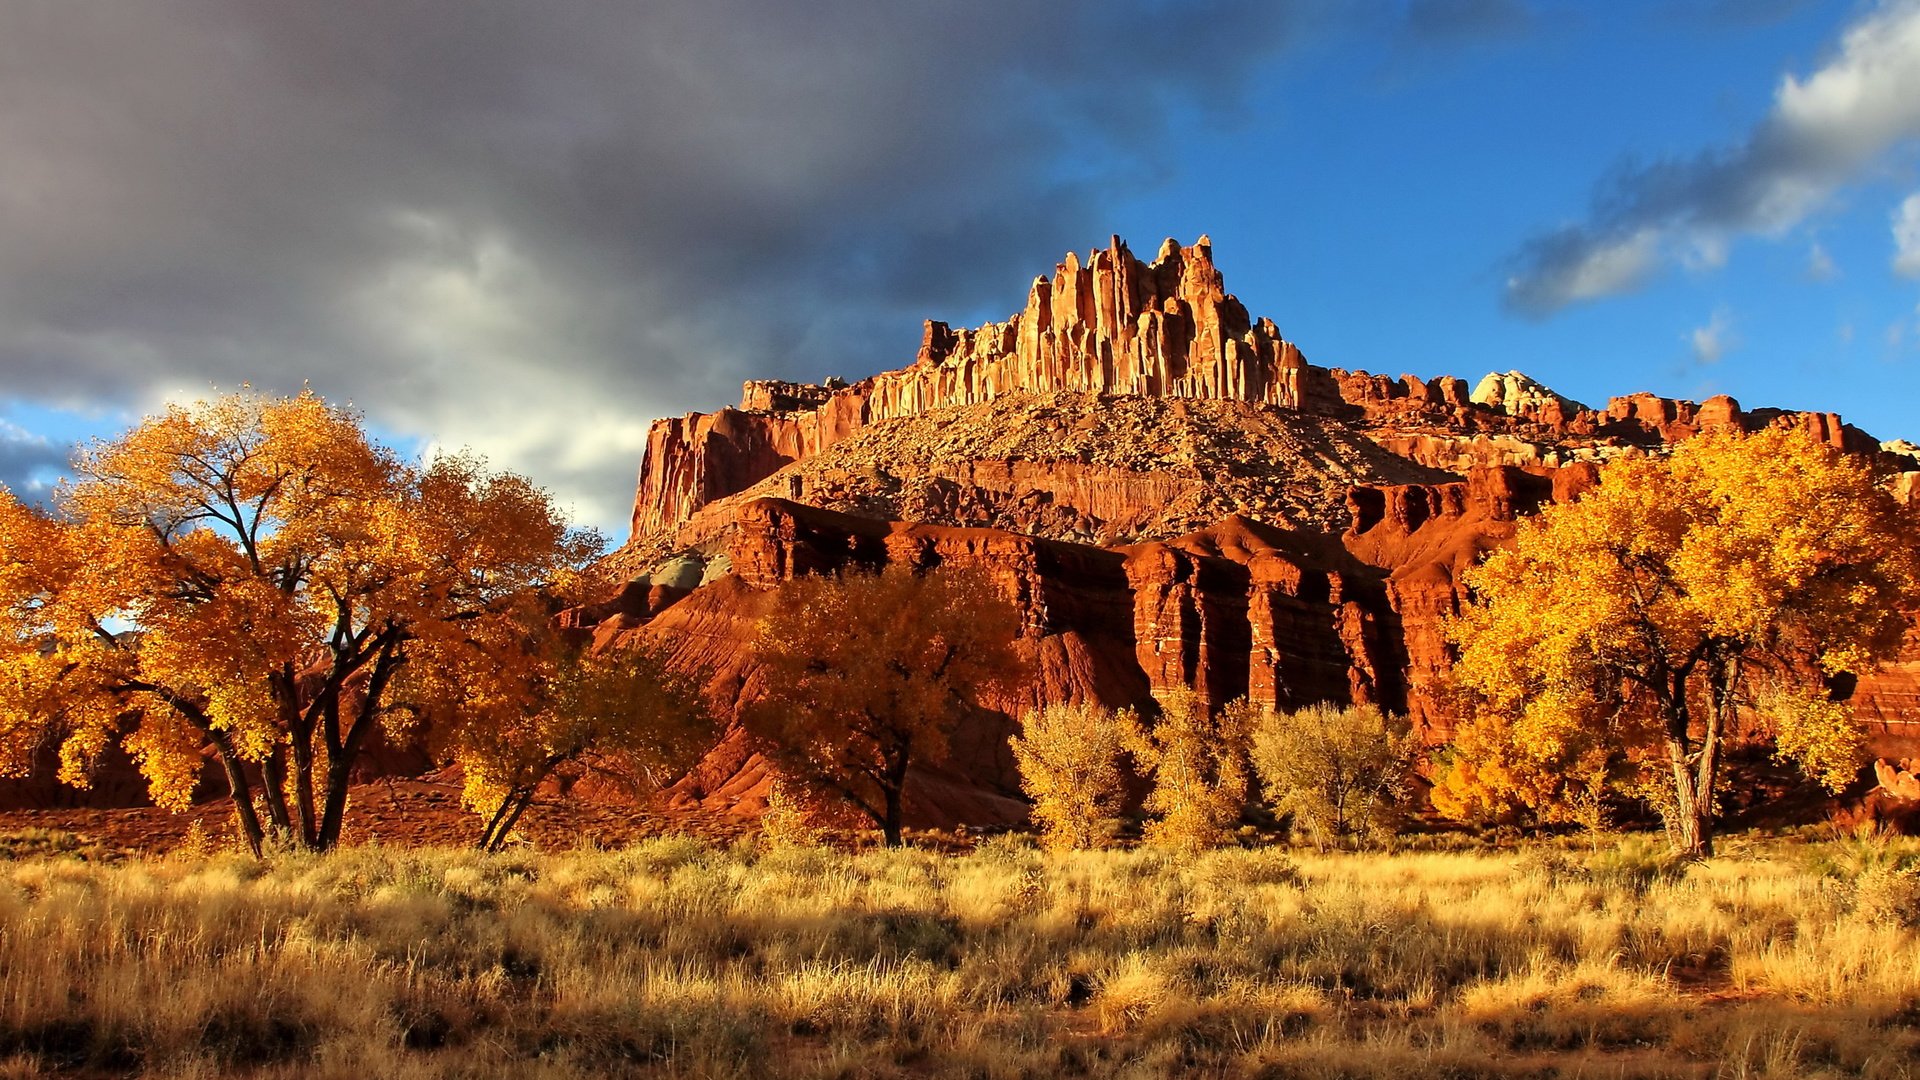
1069,759
1197,758
248,576
1635,621
862,675
1339,770
525,707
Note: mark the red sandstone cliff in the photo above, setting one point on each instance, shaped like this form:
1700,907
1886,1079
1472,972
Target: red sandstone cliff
1168,490
1115,326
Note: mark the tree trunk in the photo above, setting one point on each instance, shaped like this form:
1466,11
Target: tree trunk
893,789
339,772
303,790
890,821
273,780
273,770
504,819
488,830
242,793
1692,821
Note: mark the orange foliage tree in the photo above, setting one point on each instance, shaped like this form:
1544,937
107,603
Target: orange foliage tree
1629,626
249,576
514,712
865,674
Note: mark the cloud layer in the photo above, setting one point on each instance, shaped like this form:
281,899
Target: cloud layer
530,228
1822,131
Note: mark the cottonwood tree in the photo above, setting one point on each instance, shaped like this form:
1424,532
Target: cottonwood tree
248,577
1340,770
1069,760
1197,758
865,675
1638,619
532,704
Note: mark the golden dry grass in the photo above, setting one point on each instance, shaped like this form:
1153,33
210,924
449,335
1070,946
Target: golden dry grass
678,958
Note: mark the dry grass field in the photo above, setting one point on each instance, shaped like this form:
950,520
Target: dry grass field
679,958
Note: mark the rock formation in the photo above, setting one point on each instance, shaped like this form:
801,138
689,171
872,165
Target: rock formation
1168,490
1117,327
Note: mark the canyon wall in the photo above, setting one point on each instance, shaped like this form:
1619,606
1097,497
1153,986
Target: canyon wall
1240,609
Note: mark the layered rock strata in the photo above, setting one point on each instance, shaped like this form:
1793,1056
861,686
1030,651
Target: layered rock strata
1165,487
1241,609
1114,325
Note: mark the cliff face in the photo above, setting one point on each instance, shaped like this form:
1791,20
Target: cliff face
1164,486
1240,609
1113,325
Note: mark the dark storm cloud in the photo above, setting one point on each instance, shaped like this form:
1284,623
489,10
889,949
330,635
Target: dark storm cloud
532,226
1823,131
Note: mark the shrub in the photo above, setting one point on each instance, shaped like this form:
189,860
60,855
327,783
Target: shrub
788,820
1197,758
1341,771
1069,758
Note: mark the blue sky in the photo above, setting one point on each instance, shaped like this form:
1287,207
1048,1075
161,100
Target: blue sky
1395,193
531,228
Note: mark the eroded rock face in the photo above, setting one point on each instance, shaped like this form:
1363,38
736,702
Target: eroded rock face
1242,609
1116,327
1075,466
1169,491
1113,325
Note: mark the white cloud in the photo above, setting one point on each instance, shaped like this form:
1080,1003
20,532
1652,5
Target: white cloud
1587,273
1704,252
30,462
1906,237
1823,131
1711,341
1820,264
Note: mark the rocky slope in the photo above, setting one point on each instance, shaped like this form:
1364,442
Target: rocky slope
1074,465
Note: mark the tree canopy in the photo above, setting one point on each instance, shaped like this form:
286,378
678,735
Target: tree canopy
865,674
249,576
1621,634
1340,771
1069,760
543,701
1197,757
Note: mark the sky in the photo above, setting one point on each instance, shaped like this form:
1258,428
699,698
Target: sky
530,228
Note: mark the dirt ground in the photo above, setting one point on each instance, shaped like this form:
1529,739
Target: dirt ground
401,813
